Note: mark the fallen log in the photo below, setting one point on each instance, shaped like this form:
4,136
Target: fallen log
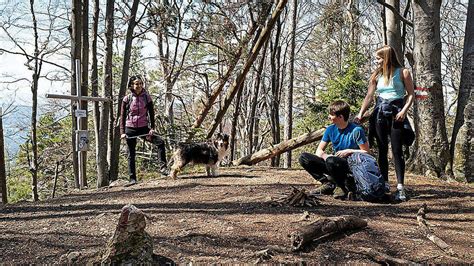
324,227
280,148
382,257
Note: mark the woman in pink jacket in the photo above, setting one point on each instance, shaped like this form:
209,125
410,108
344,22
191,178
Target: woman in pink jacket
138,120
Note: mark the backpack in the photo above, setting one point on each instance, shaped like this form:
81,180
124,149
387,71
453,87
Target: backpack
369,182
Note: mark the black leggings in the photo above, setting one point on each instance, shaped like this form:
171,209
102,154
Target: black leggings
132,144
334,169
384,128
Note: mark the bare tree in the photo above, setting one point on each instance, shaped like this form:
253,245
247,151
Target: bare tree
76,44
289,94
432,153
236,85
461,145
101,113
113,151
3,175
392,21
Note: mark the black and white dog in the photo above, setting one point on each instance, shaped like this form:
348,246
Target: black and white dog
209,153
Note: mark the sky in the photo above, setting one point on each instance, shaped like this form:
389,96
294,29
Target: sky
14,75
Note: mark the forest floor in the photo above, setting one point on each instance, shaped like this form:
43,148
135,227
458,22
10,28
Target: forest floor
230,218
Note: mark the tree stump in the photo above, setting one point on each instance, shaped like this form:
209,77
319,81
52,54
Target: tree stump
130,244
323,227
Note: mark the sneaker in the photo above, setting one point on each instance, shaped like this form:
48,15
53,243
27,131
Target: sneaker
339,193
400,195
131,183
326,189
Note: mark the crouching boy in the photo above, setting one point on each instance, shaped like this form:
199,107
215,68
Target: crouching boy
333,170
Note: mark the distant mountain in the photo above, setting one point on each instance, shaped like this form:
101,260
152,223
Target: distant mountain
16,126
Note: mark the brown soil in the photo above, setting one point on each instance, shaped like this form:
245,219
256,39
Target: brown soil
230,218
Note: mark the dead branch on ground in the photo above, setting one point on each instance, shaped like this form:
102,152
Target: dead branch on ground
420,217
297,198
381,257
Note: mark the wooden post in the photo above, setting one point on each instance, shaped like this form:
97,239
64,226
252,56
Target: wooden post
3,175
81,153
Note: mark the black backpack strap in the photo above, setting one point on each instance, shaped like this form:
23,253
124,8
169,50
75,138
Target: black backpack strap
128,103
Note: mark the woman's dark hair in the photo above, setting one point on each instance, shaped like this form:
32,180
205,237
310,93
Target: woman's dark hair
340,108
132,79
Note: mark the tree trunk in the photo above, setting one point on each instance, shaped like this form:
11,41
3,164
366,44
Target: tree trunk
289,96
3,174
460,148
251,58
75,54
106,112
235,119
114,151
56,176
253,121
275,88
102,113
463,166
84,79
280,148
432,154
394,38
223,80
34,107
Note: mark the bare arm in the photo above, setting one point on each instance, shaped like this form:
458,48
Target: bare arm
363,148
408,81
320,150
367,100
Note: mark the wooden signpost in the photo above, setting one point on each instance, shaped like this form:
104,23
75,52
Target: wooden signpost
82,136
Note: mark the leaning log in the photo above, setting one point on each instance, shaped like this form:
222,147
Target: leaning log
280,148
324,227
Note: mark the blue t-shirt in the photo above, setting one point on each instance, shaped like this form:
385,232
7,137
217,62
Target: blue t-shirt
348,138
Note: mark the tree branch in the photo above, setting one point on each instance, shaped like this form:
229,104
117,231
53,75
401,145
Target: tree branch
400,17
30,57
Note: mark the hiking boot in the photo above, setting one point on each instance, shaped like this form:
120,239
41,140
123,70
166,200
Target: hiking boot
131,183
339,193
400,195
325,189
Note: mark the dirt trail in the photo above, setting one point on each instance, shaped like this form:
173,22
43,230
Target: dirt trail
230,218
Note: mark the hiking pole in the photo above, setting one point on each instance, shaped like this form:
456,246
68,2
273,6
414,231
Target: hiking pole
142,135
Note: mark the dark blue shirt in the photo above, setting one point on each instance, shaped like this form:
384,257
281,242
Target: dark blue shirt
348,138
